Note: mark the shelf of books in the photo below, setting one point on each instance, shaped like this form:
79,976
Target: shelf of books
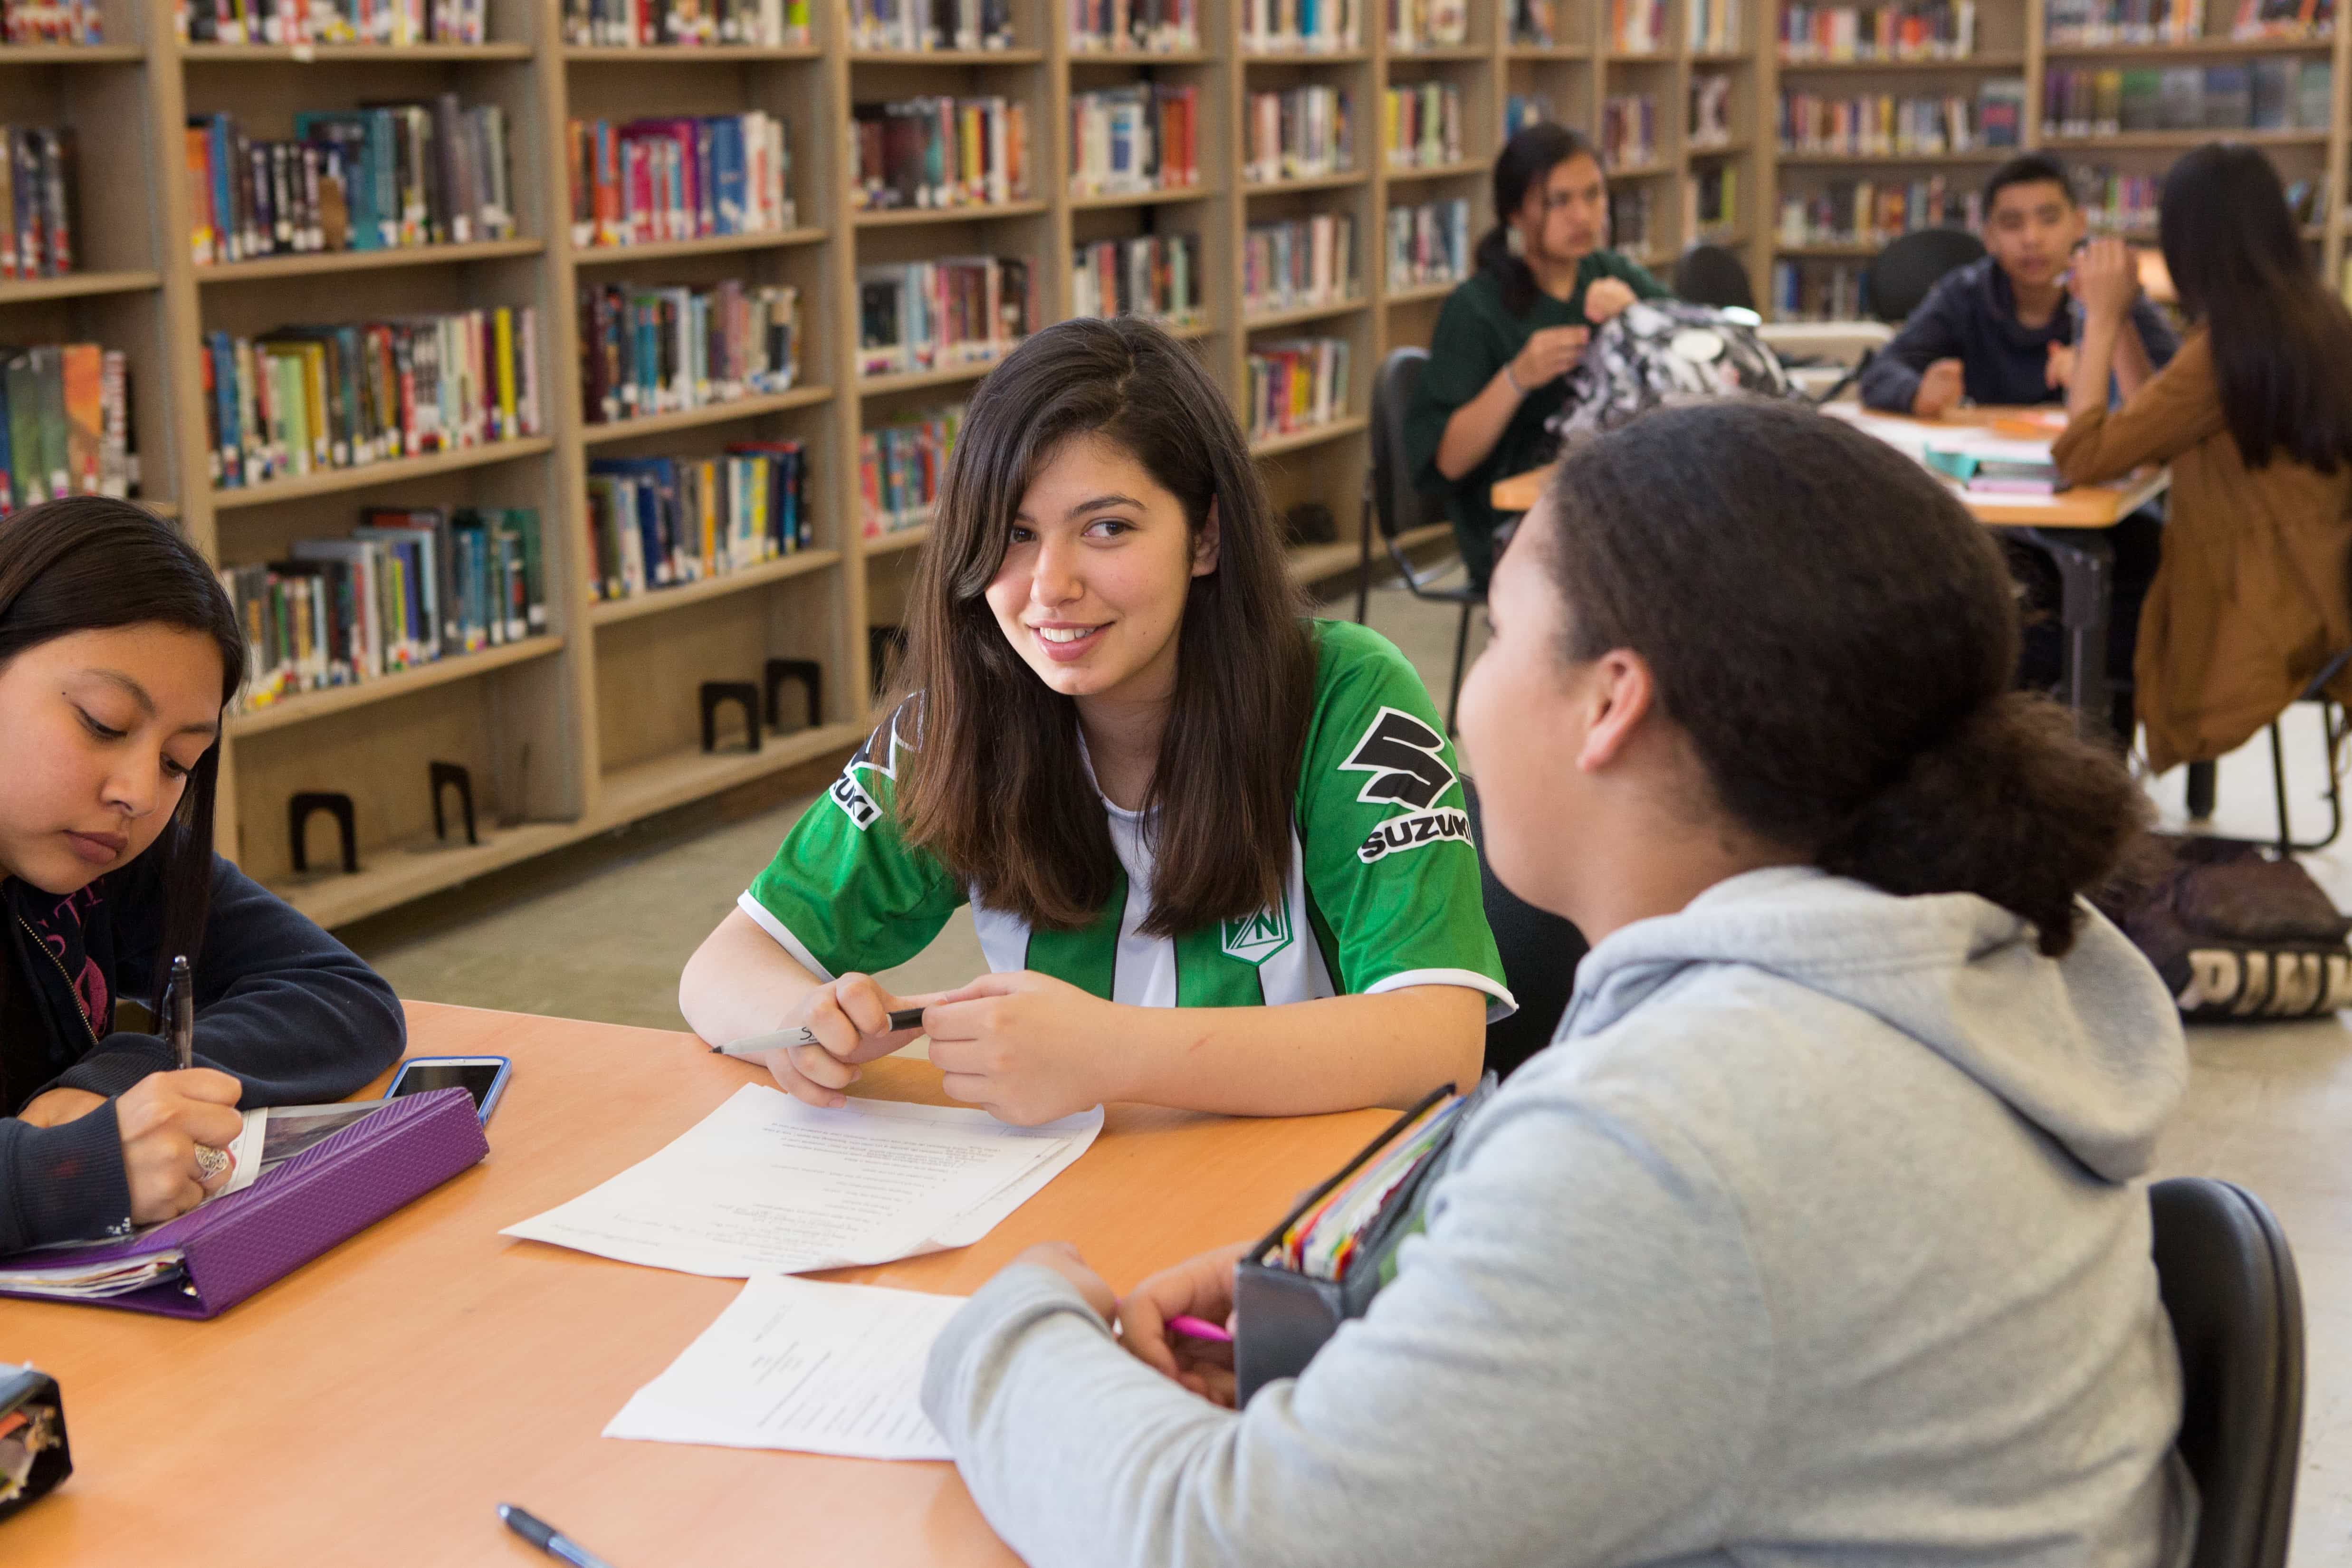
529,365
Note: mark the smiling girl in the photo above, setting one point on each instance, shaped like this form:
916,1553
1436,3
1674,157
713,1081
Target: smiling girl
1216,852
118,653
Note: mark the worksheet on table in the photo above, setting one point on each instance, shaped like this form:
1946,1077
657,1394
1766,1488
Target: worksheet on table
766,1184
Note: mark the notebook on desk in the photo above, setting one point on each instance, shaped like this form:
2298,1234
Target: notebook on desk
222,1251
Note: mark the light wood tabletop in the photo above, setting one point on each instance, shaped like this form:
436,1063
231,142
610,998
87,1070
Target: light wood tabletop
373,1406
2084,506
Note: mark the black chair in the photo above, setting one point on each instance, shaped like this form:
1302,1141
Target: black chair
2229,1285
1540,951
1393,506
1713,275
1900,276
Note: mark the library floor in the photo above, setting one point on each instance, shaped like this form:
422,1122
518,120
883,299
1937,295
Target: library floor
2268,1106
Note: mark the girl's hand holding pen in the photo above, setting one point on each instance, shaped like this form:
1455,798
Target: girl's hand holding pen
162,1119
851,1020
1200,1288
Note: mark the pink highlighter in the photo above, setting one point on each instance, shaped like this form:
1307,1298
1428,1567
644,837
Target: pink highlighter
1193,1328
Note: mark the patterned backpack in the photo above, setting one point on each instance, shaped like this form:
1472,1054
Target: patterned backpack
1657,351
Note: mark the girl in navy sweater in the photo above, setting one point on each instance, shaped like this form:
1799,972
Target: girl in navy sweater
119,653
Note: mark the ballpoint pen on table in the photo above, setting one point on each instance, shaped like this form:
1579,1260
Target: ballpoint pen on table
784,1039
548,1539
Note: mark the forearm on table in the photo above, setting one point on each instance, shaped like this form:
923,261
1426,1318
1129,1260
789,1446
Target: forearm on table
1475,427
1301,1058
740,981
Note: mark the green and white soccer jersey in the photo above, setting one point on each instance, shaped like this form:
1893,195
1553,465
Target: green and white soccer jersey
1383,882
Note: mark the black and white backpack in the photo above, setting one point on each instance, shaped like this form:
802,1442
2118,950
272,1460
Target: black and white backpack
1657,351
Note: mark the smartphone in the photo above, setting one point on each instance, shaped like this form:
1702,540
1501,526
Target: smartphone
484,1077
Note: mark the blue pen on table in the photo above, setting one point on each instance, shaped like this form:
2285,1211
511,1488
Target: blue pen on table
752,1046
548,1539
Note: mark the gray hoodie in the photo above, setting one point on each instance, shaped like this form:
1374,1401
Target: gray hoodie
1815,1236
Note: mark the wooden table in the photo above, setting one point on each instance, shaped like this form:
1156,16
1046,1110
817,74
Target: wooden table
2068,528
373,1406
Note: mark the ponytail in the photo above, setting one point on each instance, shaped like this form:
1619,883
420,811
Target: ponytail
1836,635
1526,160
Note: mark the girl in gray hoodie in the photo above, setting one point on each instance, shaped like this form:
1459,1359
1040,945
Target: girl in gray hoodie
1818,1235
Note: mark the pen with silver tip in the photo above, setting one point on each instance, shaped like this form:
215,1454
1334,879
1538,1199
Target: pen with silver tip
752,1046
548,1539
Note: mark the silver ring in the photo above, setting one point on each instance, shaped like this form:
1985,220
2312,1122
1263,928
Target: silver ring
210,1162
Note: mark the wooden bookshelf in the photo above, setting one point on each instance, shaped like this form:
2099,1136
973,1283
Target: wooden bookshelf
592,725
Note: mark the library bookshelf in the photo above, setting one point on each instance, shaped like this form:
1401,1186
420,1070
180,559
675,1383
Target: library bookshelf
595,724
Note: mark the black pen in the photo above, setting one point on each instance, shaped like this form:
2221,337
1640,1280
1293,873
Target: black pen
183,993
549,1540
784,1039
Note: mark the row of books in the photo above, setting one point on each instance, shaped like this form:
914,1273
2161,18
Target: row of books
2181,21
1145,137
1710,109
1872,212
1633,219
2125,201
1429,244
1629,131
936,315
1295,384
52,22
640,23
1421,125
1536,23
65,424
1299,134
655,349
900,466
301,400
1711,202
1877,125
1427,24
1637,27
1714,26
1295,265
941,153
368,179
1153,274
1895,30
2257,95
1301,26
662,522
37,185
1812,292
1134,27
406,588
647,181
922,26
392,23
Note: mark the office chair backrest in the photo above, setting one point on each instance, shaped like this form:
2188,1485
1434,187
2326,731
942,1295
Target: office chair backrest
1713,275
1540,951
2229,1285
1901,274
1397,506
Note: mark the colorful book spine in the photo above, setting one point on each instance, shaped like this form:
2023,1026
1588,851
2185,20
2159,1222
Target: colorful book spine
1295,386
65,424
659,522
647,182
1304,262
662,349
941,153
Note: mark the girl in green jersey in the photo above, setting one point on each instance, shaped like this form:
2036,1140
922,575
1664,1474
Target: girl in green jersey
1217,852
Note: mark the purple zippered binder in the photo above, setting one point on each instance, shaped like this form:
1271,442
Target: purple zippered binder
326,1194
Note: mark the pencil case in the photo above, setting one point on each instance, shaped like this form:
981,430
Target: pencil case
1281,1316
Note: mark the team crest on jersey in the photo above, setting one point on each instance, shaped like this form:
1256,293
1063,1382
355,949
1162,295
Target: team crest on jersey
1257,938
879,754
1401,754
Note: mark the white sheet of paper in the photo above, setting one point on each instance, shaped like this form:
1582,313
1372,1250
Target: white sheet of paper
798,1364
765,1184
247,1149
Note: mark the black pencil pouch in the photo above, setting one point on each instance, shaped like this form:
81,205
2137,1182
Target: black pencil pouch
1282,1316
33,1454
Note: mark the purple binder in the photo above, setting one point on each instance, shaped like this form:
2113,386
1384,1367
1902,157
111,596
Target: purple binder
326,1194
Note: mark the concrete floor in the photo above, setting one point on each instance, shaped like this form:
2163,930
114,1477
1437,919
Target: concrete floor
2268,1105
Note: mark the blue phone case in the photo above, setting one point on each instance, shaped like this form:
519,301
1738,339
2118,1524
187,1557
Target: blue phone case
489,1101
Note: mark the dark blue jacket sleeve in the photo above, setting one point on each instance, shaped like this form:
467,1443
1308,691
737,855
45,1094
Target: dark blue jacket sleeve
62,1184
2154,335
292,1012
1933,332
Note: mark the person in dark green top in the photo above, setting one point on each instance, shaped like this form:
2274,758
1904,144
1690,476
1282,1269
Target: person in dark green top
1508,337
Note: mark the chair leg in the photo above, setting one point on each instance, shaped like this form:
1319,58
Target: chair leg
2278,789
2287,839
1461,646
2201,790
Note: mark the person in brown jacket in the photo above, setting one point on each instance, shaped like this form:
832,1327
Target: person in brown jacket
2254,415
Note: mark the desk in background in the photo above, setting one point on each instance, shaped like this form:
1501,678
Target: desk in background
373,1406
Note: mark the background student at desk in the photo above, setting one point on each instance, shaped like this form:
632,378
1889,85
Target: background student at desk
118,653
1509,336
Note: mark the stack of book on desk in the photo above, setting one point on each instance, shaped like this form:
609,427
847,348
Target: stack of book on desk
1988,464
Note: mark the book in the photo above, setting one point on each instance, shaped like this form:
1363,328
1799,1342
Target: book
1421,125
646,181
661,350
715,24
396,23
52,22
658,523
1300,133
930,315
922,26
1629,131
1155,276
1429,244
1301,27
1295,384
1131,139
1304,262
940,153
64,423
1133,27
1904,30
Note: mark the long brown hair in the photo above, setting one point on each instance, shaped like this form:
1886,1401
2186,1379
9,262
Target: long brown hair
1836,635
993,784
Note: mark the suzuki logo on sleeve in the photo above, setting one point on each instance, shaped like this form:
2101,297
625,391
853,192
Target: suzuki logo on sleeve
1401,754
